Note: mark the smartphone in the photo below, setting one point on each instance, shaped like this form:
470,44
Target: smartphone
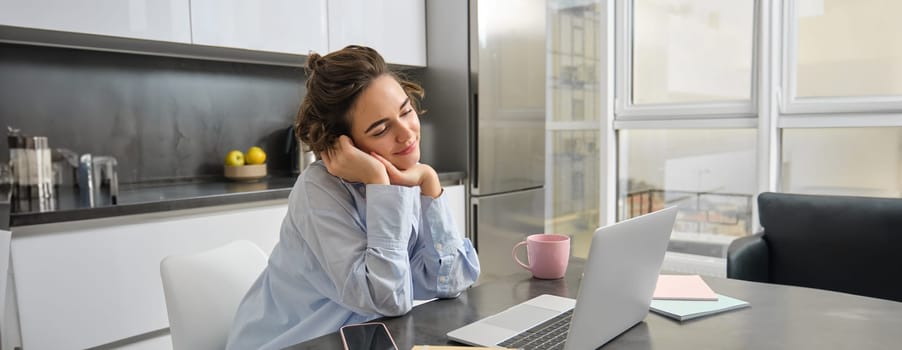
367,336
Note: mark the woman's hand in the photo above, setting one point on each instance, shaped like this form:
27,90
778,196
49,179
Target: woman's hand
418,175
350,163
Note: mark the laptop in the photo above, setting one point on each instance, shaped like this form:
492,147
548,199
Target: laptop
614,294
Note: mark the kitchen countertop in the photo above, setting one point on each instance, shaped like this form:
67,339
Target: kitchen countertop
162,196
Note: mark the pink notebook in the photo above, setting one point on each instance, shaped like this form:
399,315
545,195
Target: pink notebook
683,287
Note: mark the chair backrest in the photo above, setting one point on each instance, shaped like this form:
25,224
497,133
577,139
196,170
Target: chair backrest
840,243
203,291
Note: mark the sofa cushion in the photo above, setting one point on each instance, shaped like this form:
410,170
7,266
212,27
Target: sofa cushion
847,244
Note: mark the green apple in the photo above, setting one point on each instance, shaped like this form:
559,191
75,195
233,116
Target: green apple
234,158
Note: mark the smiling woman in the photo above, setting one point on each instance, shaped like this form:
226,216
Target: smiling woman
368,228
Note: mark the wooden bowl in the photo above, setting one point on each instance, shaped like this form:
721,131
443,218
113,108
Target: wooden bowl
246,172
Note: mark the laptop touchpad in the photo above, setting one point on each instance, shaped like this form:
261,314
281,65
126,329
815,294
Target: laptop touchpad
521,317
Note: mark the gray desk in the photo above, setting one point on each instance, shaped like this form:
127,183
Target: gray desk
780,317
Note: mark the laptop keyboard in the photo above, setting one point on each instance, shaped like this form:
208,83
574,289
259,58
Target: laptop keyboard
549,335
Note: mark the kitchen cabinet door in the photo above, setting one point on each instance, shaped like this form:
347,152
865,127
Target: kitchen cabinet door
160,20
285,26
83,284
395,28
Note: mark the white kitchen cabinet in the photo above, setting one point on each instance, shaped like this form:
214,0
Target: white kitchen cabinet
9,331
286,26
159,20
395,28
86,283
271,32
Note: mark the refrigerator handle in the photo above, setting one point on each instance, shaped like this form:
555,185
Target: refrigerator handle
474,174
474,220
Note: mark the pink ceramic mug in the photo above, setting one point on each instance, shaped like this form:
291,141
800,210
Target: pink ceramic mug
547,255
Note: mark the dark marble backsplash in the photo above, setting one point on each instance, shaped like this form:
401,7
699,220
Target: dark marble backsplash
163,118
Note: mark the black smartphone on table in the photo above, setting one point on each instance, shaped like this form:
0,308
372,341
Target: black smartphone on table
367,336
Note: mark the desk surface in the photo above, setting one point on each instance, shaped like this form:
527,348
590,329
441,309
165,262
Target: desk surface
780,317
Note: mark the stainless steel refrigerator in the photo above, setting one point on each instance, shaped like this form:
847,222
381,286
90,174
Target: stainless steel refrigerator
486,86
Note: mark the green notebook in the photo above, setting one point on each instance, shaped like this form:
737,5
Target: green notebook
688,309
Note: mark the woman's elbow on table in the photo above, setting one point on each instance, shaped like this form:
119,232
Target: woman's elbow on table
397,308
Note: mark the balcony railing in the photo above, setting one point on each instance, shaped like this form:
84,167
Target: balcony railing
701,212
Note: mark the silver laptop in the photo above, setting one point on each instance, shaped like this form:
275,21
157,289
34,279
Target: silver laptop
614,294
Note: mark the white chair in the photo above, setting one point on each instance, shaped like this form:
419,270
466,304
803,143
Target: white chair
203,291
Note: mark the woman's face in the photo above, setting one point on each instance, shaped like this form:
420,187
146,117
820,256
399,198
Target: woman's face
383,121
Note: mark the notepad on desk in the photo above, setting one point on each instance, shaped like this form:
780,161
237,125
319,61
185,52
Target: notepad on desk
683,310
683,287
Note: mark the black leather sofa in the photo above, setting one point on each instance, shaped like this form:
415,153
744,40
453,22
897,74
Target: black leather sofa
839,243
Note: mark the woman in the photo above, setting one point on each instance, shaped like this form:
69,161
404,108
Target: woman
367,229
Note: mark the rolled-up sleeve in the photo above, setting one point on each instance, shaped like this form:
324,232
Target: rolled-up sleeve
444,263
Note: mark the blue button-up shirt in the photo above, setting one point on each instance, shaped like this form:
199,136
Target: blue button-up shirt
349,253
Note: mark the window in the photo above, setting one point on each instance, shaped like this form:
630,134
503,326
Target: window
708,173
842,79
843,161
574,122
692,51
848,48
575,177
686,102
685,59
841,56
719,100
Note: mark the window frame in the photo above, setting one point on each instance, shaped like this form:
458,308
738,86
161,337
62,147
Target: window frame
605,88
793,112
756,112
624,107
772,109
792,104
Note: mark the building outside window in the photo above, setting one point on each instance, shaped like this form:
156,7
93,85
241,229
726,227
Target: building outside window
574,121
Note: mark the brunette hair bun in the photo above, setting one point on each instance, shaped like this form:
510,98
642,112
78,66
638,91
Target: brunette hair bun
313,59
